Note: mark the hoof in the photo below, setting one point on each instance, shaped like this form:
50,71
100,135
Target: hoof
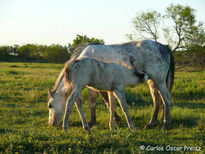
133,129
117,119
88,129
65,129
112,128
150,125
91,124
165,126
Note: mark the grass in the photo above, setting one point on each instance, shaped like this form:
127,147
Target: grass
24,116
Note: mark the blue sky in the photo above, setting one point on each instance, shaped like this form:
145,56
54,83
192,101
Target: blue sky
59,21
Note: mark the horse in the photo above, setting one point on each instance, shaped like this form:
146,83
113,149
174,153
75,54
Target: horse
79,73
150,57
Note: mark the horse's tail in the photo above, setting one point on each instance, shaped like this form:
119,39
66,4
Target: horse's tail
170,74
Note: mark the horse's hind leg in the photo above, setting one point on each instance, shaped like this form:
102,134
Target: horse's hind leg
107,101
166,98
120,95
112,110
92,101
79,107
157,102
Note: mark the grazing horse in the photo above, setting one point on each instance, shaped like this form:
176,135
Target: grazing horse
152,58
79,74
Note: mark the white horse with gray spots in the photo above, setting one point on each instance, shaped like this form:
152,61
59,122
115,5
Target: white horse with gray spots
150,57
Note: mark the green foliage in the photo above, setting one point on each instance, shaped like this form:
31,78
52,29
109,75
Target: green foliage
146,24
183,30
52,53
4,53
34,53
56,54
181,15
42,53
194,57
185,35
24,125
26,51
188,31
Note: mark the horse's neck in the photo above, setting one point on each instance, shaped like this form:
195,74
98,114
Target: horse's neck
60,88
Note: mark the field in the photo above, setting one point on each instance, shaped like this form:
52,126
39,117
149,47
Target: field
24,116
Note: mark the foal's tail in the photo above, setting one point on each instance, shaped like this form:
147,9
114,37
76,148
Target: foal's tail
170,74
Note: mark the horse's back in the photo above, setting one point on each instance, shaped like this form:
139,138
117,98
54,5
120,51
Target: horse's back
146,56
120,52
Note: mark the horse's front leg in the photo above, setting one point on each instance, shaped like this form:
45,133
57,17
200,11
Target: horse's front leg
120,95
79,106
70,102
112,109
92,101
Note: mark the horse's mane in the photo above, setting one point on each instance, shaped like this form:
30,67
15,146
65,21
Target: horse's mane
80,48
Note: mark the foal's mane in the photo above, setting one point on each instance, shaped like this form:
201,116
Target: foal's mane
78,50
58,81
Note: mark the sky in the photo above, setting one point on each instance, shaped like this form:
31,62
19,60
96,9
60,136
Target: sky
59,21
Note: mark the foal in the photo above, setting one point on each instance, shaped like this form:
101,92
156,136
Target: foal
112,77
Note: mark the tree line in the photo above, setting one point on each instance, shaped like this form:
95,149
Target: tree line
34,53
178,26
42,53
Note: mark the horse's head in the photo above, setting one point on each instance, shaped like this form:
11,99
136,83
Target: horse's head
56,105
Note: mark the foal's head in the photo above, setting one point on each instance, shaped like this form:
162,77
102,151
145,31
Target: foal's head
56,105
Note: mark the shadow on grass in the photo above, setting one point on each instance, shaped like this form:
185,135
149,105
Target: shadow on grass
190,105
75,123
189,95
188,123
4,130
136,99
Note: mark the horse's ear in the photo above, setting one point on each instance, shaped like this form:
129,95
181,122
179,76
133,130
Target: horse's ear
50,93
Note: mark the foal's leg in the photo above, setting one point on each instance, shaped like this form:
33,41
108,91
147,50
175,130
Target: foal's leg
120,95
157,102
92,101
107,102
70,102
112,110
79,107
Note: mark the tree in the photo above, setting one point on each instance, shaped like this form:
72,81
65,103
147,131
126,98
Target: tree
56,54
146,25
28,51
183,33
4,53
79,40
187,31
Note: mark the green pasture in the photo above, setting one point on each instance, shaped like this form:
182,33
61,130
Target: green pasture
24,116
